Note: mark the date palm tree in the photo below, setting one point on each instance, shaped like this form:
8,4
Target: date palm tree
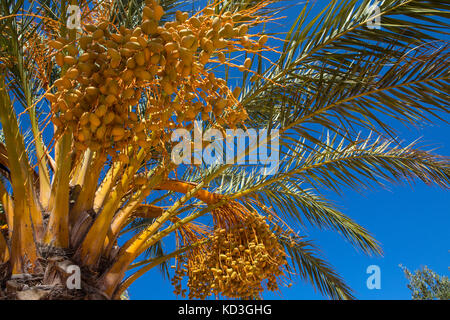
82,188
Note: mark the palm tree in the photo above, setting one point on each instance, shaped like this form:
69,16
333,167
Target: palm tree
87,173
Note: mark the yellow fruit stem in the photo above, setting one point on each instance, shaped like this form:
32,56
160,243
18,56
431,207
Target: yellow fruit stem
92,246
108,182
186,187
121,218
8,208
4,250
151,263
44,177
85,200
134,208
35,212
57,231
23,245
143,240
81,168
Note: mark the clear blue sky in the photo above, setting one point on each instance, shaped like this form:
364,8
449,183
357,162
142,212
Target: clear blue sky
410,222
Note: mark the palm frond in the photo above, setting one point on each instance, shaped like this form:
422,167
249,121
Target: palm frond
293,204
335,163
400,70
311,267
156,251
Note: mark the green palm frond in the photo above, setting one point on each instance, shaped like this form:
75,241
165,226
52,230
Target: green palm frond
306,260
367,161
408,90
335,71
239,5
337,163
293,204
156,251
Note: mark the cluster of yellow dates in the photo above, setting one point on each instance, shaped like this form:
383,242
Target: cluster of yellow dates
108,71
240,260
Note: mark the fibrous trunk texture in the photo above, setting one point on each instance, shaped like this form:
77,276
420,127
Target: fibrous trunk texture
55,279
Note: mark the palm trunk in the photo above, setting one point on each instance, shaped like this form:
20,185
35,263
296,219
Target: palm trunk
60,279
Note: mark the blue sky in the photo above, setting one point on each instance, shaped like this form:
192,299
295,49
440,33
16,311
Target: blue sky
410,221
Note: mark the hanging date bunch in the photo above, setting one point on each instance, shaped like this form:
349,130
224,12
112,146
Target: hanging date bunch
242,259
107,71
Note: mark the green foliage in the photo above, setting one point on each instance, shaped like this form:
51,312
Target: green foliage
425,284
